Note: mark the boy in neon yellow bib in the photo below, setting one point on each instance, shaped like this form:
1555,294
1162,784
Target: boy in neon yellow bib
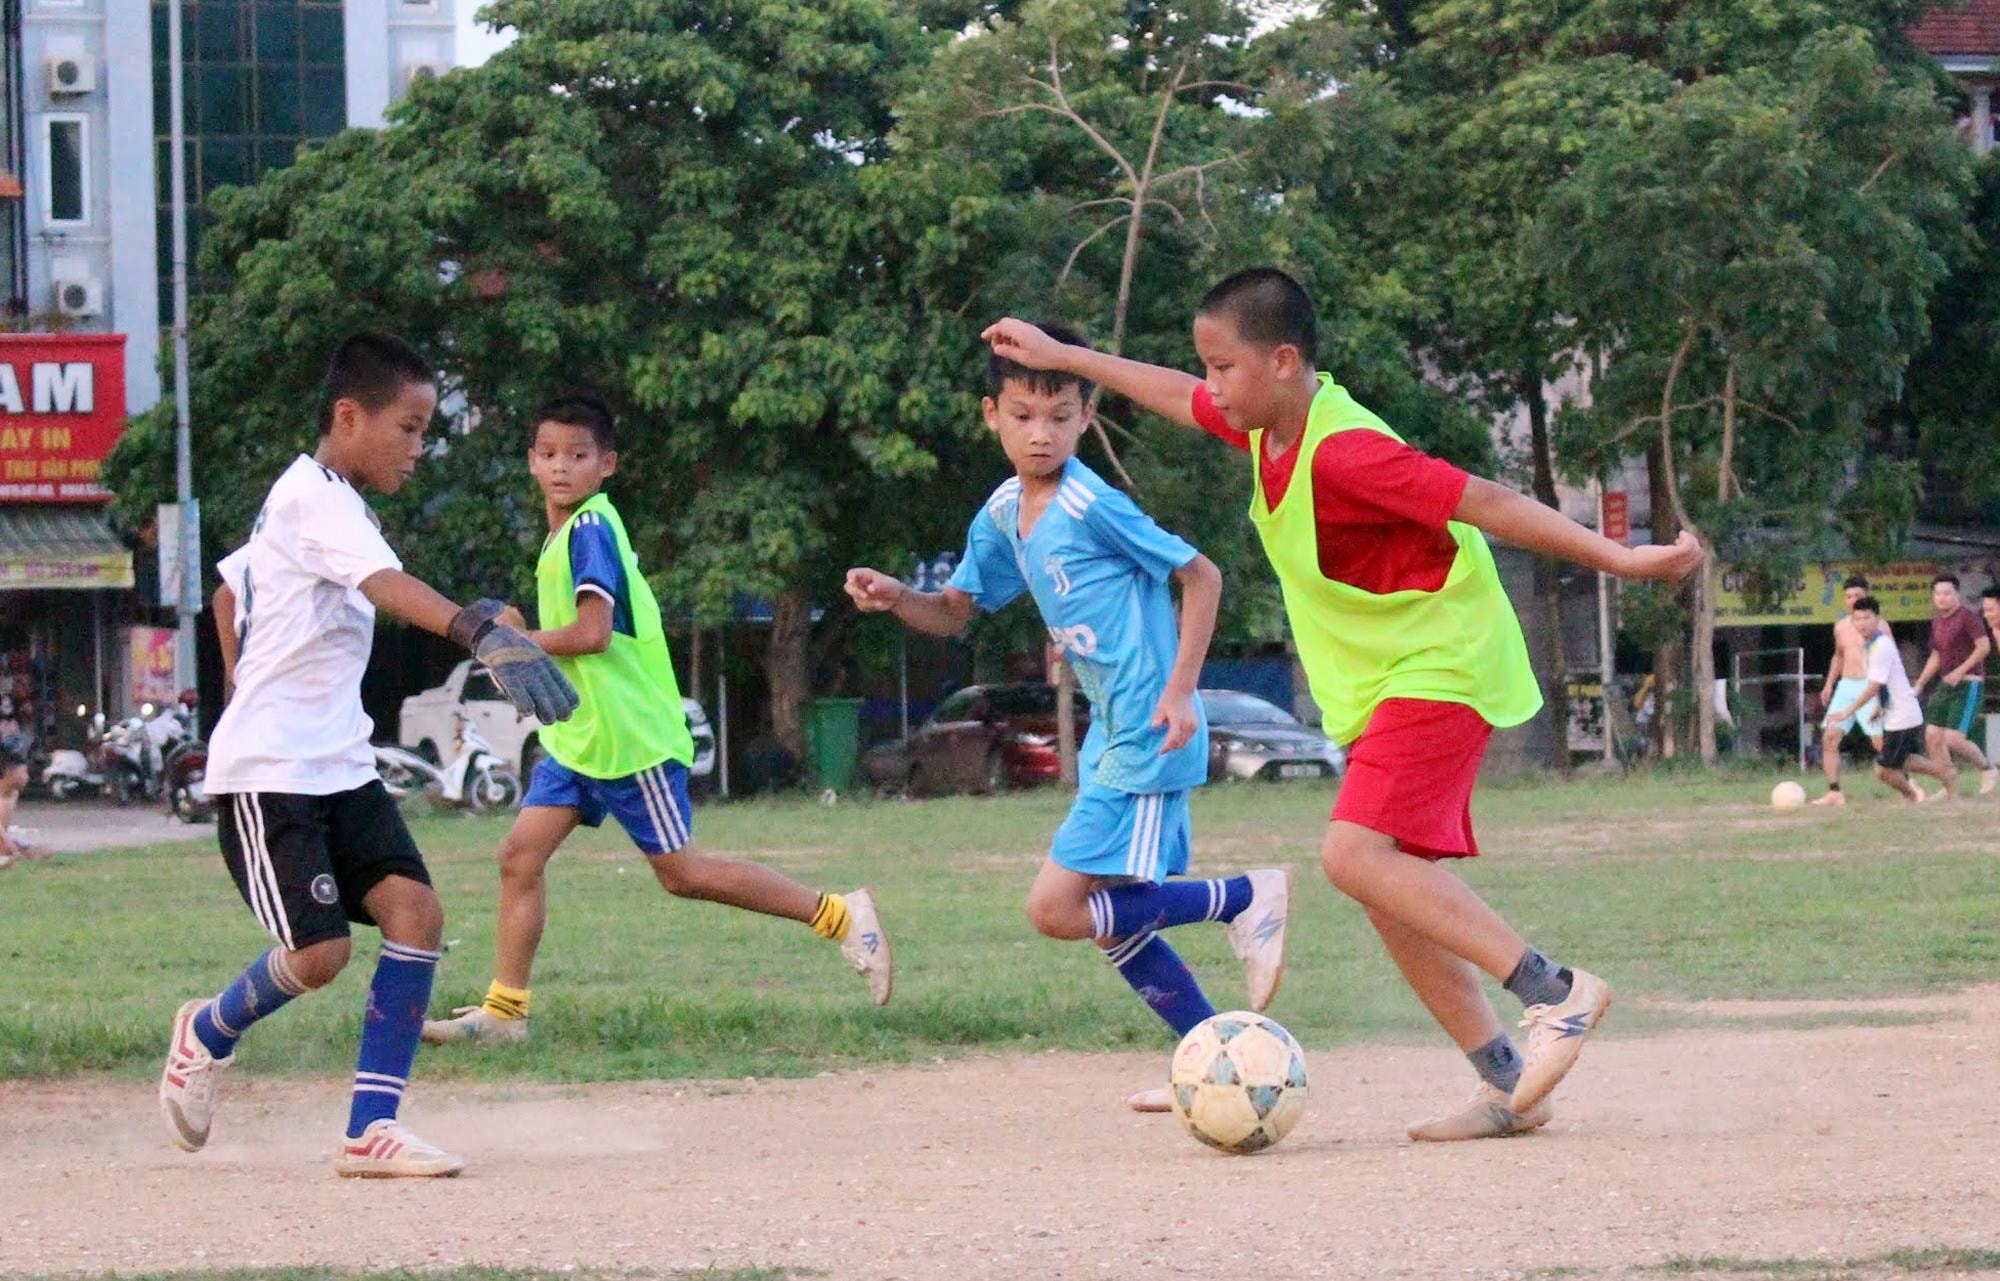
1412,650
626,751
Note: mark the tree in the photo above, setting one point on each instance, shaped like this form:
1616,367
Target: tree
1108,159
1754,255
679,203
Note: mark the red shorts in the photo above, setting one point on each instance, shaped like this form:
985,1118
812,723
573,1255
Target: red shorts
1410,775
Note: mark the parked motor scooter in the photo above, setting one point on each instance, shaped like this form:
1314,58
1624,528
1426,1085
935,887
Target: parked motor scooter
475,779
184,770
71,773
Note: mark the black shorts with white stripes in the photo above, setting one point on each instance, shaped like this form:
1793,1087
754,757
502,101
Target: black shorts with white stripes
304,863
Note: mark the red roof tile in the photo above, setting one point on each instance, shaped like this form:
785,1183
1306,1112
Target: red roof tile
1972,27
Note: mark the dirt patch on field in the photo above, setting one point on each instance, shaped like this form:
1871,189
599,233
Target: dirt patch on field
1833,1143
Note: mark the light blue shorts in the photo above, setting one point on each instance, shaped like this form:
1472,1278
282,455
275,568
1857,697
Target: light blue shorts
1870,714
1113,833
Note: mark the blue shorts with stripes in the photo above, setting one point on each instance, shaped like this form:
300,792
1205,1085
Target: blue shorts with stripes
652,805
1113,833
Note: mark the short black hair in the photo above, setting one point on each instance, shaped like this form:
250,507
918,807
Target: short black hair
1992,591
1945,578
1268,308
10,759
1045,382
1855,580
372,368
579,409
1868,603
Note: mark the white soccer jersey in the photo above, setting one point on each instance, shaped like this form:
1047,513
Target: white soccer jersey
294,723
1900,709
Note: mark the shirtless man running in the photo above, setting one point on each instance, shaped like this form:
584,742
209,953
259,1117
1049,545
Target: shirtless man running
1846,678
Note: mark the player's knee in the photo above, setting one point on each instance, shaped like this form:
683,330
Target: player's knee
321,963
1342,858
520,862
1050,919
679,874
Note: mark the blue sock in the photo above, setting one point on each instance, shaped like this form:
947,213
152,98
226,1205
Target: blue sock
1127,910
264,988
1157,973
1498,1063
397,1000
1537,980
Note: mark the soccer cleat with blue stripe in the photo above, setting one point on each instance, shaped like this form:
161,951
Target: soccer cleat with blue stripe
1258,933
1488,1114
1556,1034
187,1086
477,1024
866,947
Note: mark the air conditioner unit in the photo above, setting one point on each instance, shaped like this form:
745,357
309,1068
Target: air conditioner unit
411,70
72,74
79,299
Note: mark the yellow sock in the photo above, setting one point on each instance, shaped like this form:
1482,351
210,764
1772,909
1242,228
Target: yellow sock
503,1002
831,919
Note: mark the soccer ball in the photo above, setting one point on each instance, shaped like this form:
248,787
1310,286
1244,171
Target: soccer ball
1238,1082
1788,796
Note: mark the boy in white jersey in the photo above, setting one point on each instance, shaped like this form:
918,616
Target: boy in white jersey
1902,716
1098,569
310,836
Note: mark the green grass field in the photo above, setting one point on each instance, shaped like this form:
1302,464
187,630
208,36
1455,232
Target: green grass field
1675,886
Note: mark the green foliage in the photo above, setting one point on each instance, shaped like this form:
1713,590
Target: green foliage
1954,383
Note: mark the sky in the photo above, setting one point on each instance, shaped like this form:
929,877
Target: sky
477,43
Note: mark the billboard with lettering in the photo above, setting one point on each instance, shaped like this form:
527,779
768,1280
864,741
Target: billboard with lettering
62,407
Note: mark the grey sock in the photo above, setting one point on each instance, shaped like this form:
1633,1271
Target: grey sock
1498,1063
1538,981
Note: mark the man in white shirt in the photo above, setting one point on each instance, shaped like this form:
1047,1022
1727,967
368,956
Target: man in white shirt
1902,750
311,837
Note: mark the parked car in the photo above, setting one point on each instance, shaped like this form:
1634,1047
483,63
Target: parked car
1249,738
425,724
984,738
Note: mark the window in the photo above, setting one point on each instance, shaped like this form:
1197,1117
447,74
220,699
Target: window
66,170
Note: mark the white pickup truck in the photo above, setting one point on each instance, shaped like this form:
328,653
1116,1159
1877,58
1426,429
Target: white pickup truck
425,725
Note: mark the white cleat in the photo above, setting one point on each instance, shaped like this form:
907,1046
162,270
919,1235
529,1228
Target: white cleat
1486,1115
1556,1034
386,1150
1832,798
187,1086
1159,1099
1258,933
477,1024
866,946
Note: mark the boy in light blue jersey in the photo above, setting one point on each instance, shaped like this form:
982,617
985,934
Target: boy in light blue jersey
1098,570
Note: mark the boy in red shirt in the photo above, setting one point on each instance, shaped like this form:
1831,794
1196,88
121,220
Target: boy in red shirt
1412,650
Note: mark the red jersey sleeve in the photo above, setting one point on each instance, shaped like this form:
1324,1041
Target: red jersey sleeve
1211,420
1363,477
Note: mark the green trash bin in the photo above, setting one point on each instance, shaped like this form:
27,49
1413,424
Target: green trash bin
833,741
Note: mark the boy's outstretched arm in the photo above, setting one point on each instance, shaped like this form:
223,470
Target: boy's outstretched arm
1526,523
1201,593
1167,392
224,605
945,613
524,673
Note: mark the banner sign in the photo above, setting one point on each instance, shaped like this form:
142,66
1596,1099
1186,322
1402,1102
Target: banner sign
1904,589
152,666
1617,522
62,408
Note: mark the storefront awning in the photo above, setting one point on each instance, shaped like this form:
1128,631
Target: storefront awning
64,548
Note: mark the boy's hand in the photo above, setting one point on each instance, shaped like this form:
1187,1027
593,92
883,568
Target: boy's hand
1176,712
1023,343
512,617
527,676
872,591
1668,563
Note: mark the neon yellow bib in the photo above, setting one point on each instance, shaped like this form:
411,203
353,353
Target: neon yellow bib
1458,644
629,716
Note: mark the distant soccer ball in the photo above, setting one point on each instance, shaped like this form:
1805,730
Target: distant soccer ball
1238,1082
1788,796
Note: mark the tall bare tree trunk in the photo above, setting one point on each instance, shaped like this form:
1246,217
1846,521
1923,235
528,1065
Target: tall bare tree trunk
1704,586
785,667
1667,655
1548,576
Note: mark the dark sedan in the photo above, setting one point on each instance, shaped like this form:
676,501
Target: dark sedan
1249,738
984,738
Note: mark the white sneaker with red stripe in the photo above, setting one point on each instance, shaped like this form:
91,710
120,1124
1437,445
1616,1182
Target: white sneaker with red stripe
187,1086
386,1150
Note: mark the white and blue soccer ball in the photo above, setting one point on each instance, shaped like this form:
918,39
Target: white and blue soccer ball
1238,1082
